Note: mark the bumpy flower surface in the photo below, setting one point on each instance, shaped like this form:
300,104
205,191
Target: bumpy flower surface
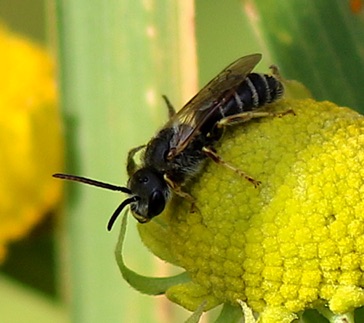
296,241
30,136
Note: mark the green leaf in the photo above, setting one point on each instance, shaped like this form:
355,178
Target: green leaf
318,43
144,284
196,315
230,314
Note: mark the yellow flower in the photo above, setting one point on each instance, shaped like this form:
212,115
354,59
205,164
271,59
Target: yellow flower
295,242
30,136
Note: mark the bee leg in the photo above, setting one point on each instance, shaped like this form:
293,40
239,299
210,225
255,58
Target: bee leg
171,109
249,115
178,190
276,73
217,159
131,166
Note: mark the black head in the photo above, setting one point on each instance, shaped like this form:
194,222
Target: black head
152,191
147,190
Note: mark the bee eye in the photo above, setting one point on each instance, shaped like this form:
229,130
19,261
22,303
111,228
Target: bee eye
156,203
144,179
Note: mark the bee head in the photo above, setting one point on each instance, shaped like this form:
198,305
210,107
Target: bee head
147,190
151,191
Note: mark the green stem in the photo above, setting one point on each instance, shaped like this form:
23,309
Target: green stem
116,60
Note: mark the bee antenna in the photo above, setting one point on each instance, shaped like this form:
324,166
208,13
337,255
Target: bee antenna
119,209
92,182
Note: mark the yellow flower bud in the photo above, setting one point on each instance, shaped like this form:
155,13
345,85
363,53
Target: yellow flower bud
293,243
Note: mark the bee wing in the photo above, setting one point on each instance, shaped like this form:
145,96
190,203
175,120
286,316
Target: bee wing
196,111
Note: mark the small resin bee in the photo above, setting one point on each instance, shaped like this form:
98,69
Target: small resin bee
179,150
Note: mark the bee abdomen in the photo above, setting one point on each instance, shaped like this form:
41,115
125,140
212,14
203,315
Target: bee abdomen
259,89
255,91
266,87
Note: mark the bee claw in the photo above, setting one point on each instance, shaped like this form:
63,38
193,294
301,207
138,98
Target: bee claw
289,111
256,183
194,208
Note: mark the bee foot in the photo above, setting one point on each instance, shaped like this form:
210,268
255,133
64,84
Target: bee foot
194,208
255,183
282,114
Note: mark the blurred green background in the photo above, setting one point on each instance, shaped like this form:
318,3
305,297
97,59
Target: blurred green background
105,64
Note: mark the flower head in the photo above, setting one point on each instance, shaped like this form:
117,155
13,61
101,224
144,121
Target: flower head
296,241
30,136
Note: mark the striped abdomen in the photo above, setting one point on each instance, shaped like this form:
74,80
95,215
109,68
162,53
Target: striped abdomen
255,91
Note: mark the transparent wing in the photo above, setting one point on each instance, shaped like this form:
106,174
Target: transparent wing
211,97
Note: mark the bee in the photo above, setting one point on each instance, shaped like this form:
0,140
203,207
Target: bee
179,151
